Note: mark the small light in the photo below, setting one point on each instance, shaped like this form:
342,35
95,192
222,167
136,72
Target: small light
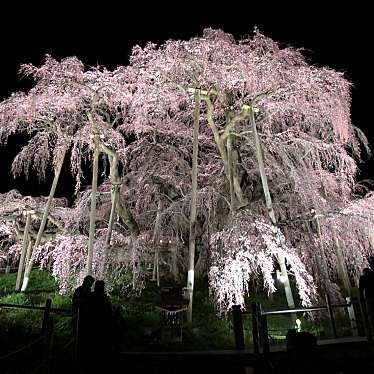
280,277
160,240
298,325
283,278
169,241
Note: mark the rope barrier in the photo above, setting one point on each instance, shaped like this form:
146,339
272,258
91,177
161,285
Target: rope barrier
67,344
37,369
24,348
67,312
47,332
16,268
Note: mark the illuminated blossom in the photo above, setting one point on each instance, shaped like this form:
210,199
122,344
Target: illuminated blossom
244,251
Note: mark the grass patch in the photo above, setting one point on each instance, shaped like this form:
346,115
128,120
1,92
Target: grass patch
42,286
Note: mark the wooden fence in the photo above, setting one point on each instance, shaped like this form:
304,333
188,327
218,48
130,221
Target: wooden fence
43,343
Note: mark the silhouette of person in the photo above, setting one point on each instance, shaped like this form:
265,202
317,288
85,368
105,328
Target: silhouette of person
301,351
119,327
81,318
300,342
102,322
371,262
366,286
83,293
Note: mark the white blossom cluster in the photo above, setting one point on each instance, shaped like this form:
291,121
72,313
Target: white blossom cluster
245,251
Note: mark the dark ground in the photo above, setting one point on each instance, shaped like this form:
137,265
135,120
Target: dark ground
344,358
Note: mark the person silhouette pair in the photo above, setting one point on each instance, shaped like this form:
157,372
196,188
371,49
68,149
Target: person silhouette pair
366,287
93,323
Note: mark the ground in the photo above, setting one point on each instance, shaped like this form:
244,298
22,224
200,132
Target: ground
141,320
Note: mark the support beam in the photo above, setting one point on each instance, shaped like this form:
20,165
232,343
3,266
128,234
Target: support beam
269,205
91,238
25,243
192,239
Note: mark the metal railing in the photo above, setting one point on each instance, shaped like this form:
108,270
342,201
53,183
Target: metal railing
260,332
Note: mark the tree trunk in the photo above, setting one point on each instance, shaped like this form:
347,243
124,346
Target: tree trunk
23,253
93,204
158,270
221,142
122,209
231,174
322,248
316,268
371,241
116,182
127,217
269,205
174,266
113,210
155,262
156,243
342,267
192,239
44,220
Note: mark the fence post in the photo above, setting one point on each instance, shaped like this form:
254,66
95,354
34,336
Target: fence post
47,312
331,314
365,317
47,341
7,266
352,316
263,330
266,344
256,346
238,327
76,323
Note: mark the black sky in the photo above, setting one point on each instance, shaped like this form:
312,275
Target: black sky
337,37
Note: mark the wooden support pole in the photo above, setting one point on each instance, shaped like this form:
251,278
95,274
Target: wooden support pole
95,172
331,315
365,316
192,237
47,342
256,344
156,243
46,212
352,316
7,266
113,212
265,335
25,243
238,327
46,314
270,208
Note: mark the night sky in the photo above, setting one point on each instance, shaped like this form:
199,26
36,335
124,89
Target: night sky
340,38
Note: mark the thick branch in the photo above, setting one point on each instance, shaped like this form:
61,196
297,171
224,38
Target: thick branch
244,113
213,127
123,211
